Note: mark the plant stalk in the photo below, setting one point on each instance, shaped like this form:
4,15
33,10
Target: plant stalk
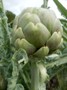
36,83
45,3
34,76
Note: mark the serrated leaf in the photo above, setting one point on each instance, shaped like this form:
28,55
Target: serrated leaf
57,62
61,8
4,29
19,59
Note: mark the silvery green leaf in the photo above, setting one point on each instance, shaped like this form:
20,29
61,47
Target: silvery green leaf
19,87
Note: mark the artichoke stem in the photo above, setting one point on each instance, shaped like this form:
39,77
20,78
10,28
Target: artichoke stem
36,84
45,3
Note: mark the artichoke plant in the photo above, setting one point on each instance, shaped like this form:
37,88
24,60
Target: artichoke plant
38,31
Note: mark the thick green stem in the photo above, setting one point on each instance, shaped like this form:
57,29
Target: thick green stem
34,76
45,3
36,81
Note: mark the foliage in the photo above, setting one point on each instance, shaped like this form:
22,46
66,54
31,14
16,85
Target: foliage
62,74
61,8
15,65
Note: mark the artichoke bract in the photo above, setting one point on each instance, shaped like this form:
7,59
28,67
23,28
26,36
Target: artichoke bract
38,31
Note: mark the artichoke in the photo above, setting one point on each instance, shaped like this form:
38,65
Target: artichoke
38,31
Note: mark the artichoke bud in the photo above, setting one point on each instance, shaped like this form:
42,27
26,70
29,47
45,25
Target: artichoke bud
40,27
35,10
47,17
27,10
30,49
60,43
17,33
15,22
28,17
36,34
54,41
57,27
42,52
17,42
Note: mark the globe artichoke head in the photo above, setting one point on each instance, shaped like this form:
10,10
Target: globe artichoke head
38,31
